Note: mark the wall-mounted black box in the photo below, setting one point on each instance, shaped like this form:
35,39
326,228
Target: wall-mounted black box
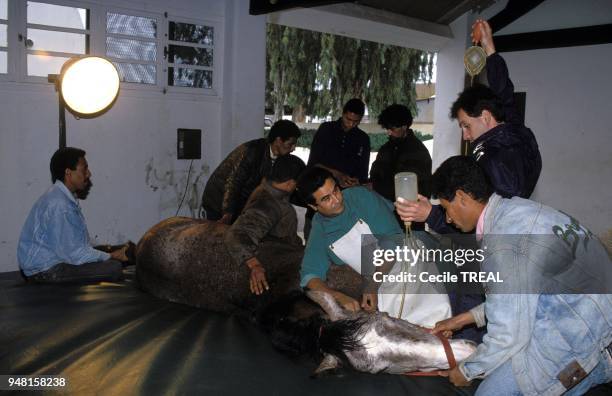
189,143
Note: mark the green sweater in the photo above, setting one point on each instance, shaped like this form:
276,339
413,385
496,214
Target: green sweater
359,203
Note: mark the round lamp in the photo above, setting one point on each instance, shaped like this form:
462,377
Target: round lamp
88,86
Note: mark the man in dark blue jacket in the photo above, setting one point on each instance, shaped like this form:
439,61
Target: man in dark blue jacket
505,148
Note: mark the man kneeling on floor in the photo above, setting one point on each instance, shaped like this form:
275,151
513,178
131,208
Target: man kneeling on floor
268,215
342,219
54,245
549,324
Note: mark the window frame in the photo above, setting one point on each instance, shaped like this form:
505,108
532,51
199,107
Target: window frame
217,37
17,53
24,52
158,45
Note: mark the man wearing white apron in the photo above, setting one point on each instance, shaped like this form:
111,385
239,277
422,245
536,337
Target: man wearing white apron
342,218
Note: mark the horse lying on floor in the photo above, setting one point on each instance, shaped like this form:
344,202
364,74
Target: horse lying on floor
186,261
371,342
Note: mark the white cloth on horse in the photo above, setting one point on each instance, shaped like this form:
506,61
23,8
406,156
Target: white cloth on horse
424,304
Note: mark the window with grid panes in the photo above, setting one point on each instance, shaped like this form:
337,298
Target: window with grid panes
189,53
55,33
131,44
3,36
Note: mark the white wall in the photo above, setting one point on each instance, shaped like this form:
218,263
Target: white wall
450,81
568,107
132,148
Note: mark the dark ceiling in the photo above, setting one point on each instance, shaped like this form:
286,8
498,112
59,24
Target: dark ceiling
437,11
446,11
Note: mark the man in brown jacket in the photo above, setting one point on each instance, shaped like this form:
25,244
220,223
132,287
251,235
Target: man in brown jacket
268,215
231,184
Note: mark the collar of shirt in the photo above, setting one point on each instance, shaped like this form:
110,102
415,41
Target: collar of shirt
272,156
63,187
480,224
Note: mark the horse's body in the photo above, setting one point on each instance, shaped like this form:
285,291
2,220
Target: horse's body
185,260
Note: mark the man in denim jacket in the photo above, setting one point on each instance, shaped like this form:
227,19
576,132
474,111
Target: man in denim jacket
549,324
54,245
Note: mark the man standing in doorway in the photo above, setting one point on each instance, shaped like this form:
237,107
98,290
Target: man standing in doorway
343,149
403,152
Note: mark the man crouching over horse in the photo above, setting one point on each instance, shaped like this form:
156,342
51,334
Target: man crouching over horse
549,324
242,268
267,214
342,218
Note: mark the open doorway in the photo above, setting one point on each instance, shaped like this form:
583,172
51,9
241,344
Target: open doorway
310,75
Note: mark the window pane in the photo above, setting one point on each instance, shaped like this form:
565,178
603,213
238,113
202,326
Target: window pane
2,62
131,25
190,33
136,73
180,77
190,55
41,65
130,49
55,15
3,9
48,40
3,36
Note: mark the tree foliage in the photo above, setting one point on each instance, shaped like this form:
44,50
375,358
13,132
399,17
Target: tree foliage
316,73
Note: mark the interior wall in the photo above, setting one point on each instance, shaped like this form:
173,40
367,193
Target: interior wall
132,149
449,82
568,108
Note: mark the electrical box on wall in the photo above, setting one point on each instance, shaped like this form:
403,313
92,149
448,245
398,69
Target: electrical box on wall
189,143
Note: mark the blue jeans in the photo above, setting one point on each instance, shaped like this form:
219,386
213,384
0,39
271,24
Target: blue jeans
501,381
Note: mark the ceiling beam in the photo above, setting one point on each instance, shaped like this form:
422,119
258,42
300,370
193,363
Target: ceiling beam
259,7
461,8
366,23
572,37
513,11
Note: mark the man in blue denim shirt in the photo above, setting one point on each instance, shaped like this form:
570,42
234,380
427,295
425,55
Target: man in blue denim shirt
54,245
549,323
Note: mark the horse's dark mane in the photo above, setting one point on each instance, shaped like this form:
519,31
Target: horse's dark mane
289,332
342,336
297,337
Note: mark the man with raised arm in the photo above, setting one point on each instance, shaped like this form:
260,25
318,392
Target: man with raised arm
505,148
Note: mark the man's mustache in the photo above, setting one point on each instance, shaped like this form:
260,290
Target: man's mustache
83,193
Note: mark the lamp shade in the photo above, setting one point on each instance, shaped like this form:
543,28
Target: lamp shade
89,86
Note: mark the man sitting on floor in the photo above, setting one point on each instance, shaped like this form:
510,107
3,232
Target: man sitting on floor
268,214
549,316
54,245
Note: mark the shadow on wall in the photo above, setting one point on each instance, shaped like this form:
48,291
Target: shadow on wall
170,183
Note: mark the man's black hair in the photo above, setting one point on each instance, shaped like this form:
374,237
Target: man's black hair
285,130
395,116
461,173
354,105
310,181
62,159
475,99
286,167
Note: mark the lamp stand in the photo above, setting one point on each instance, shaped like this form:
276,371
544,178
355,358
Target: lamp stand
54,78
